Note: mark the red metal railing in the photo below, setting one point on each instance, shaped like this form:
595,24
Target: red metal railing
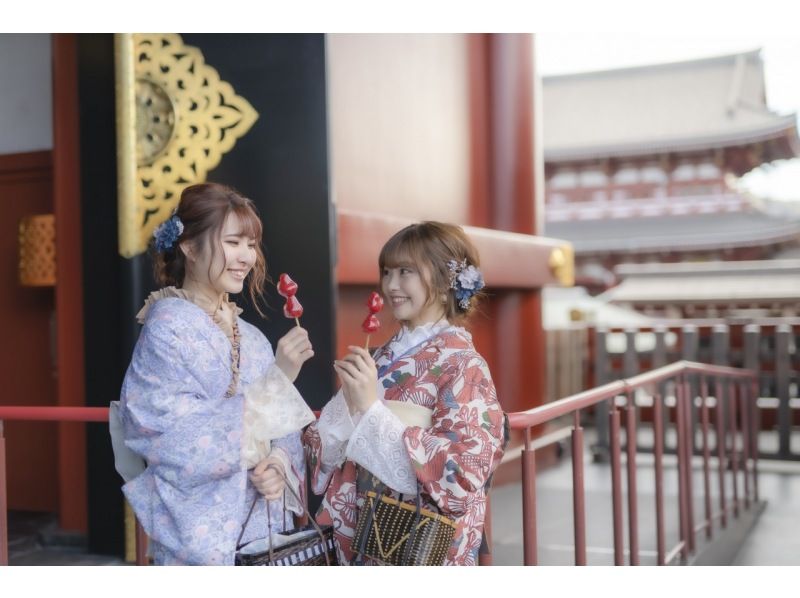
54,414
734,390
762,345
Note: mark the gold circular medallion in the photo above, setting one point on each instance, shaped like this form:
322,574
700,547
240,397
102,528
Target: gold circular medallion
155,121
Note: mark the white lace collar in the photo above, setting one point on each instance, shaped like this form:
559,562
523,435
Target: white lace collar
406,338
200,301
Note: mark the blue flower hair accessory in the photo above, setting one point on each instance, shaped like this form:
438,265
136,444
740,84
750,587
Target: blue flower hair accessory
167,233
465,280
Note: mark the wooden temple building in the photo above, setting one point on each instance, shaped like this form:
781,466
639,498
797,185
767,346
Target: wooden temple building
642,164
744,290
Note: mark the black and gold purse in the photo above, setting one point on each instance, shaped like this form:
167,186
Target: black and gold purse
394,532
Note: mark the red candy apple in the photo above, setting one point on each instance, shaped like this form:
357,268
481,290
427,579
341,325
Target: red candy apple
375,303
286,286
371,324
292,309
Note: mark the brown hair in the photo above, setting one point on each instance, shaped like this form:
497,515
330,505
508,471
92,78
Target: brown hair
203,209
430,245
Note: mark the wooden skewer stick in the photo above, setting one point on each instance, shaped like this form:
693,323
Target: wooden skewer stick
366,345
298,322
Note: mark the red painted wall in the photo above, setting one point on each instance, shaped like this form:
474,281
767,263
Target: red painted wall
26,366
439,127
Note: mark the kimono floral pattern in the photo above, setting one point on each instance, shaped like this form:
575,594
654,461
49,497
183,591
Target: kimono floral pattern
195,494
453,459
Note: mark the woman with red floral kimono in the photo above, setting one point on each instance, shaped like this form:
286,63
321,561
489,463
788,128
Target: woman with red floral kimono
421,415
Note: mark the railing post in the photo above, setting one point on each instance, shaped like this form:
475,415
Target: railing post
633,515
688,447
757,424
734,453
658,442
578,496
706,456
529,502
616,484
658,424
683,503
783,334
601,410
3,501
746,423
719,416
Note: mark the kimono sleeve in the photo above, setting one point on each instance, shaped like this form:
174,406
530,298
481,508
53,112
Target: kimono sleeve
454,458
273,408
326,441
186,438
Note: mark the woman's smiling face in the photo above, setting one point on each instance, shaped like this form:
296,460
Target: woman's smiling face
226,271
404,287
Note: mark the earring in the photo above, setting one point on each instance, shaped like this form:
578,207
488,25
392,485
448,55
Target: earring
444,299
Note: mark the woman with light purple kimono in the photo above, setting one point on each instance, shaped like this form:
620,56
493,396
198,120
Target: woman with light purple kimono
206,403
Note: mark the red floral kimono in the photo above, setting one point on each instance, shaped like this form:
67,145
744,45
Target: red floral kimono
451,460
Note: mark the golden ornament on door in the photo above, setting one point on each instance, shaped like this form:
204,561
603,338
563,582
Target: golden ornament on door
185,118
155,121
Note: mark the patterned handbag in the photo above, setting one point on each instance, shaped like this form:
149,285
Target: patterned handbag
393,532
310,544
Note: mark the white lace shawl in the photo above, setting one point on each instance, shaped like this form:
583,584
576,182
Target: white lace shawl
273,408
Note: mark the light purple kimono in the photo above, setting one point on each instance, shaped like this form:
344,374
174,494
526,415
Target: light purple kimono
195,493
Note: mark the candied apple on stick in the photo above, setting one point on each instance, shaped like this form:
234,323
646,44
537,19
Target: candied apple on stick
288,288
372,323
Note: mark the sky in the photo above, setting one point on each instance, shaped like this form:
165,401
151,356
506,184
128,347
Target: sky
559,53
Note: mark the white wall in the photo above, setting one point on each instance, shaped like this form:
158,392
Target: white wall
26,93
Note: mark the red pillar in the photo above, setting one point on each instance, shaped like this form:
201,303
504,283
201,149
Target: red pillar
69,283
505,196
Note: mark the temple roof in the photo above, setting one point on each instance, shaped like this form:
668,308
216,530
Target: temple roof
675,233
753,281
686,106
